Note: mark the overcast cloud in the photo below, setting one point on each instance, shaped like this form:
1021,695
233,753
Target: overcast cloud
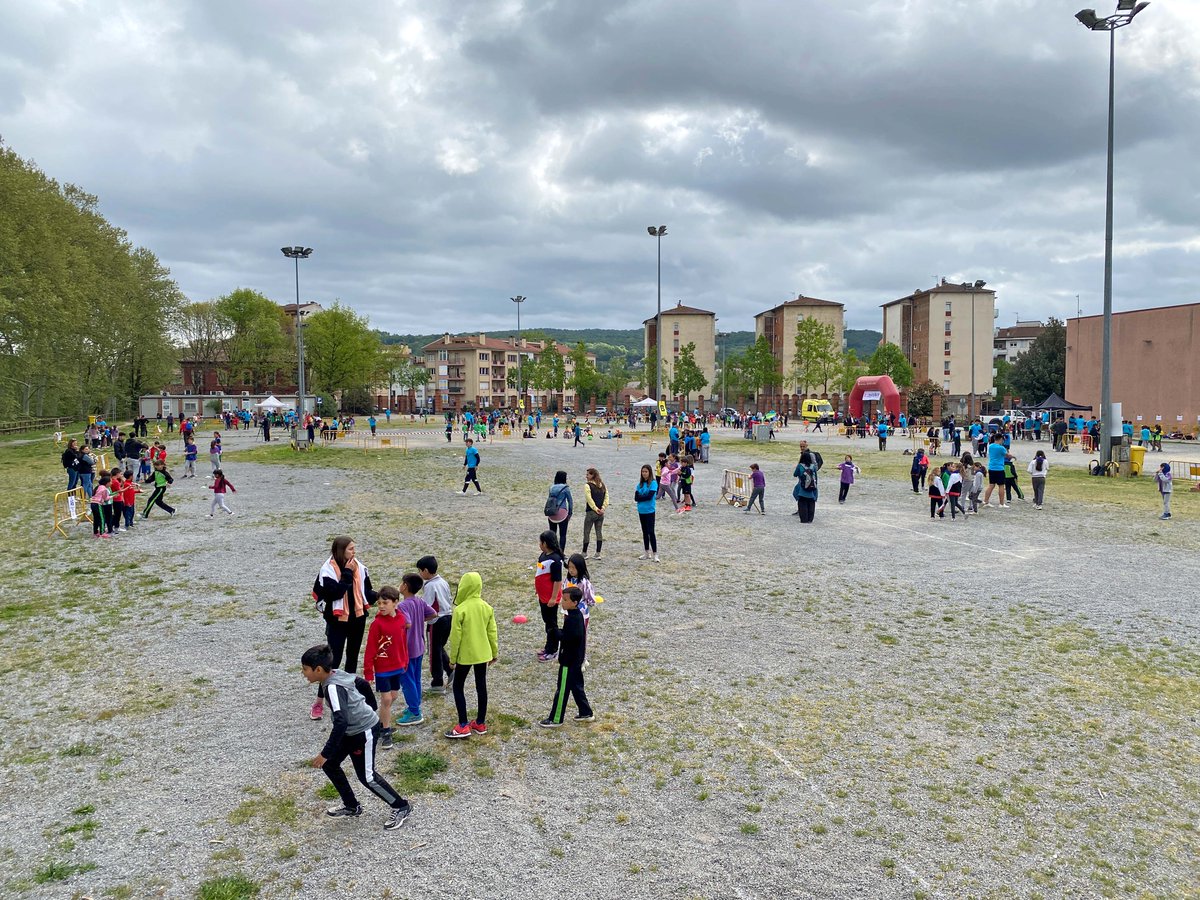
443,156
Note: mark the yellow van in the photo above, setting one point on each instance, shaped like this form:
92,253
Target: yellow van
816,411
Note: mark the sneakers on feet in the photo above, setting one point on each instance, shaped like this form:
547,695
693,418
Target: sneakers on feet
549,723
656,559
386,741
410,718
343,812
459,731
437,689
590,717
396,819
318,710
543,656
478,727
597,556
644,556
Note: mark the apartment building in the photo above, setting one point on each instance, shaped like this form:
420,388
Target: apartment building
947,334
1014,341
683,325
779,325
472,371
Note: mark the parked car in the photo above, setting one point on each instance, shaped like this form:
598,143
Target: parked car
602,410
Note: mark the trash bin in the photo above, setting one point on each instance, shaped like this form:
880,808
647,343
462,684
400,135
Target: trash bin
762,432
1137,458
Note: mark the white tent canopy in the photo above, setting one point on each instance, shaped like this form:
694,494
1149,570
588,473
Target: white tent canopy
649,401
272,402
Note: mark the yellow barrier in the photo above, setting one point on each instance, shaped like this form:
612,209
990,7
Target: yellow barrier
736,487
70,506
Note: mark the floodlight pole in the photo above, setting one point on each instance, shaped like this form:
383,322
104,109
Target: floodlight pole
658,385
1126,10
296,254
520,397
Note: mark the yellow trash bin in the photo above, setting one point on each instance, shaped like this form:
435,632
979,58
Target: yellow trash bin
1137,457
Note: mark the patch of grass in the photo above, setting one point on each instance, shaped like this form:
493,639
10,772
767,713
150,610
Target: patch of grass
748,828
81,748
230,887
87,828
276,810
60,871
417,769
86,810
327,792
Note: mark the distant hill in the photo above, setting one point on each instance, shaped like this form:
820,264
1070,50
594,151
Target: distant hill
863,341
608,342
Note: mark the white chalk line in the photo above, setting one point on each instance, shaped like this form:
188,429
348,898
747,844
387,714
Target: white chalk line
936,537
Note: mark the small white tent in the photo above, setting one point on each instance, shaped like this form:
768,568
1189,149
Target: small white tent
272,402
648,402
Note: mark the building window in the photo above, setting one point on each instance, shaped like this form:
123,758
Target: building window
946,367
947,346
485,357
946,386
947,307
443,355
485,370
512,357
677,343
947,326
677,328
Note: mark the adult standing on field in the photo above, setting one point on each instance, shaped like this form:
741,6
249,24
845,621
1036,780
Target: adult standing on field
597,503
805,490
70,460
343,594
996,457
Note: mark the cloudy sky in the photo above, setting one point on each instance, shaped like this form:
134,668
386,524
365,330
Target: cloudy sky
443,156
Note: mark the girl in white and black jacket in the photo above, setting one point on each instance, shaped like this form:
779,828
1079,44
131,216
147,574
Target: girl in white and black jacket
343,595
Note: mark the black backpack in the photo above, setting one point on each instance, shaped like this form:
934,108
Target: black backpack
554,502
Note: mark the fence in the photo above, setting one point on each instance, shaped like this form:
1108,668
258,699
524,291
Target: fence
1186,471
20,426
736,487
70,507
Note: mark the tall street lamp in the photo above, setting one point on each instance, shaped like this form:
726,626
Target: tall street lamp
658,233
978,285
723,336
520,396
296,254
1126,10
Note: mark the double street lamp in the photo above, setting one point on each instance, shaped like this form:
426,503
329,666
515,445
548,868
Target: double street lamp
977,286
296,254
1126,10
658,233
520,396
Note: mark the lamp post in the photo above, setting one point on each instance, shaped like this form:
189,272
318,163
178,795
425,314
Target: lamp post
296,254
723,336
520,397
1126,10
978,285
658,233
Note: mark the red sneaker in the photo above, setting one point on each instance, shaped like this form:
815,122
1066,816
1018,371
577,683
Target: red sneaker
318,709
459,731
478,727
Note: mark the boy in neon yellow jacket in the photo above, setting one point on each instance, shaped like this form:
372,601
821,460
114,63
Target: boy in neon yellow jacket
473,646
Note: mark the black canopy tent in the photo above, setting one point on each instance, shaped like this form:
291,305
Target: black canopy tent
1055,403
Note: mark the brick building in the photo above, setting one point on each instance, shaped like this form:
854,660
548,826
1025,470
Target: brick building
779,326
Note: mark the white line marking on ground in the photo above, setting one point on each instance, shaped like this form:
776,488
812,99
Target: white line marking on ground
937,537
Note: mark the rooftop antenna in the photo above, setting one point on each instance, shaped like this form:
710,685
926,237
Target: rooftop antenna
1078,308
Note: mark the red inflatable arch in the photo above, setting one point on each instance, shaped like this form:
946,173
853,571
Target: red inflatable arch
874,387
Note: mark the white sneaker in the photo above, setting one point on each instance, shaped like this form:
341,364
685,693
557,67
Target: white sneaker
1005,506
644,556
656,559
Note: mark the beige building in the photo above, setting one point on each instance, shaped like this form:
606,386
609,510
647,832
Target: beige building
1015,340
473,370
947,334
683,325
1155,365
779,326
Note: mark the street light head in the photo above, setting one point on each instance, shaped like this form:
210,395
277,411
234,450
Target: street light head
652,231
979,284
517,299
1123,5
1087,18
1137,9
306,252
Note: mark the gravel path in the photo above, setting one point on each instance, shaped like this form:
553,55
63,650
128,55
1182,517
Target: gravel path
874,706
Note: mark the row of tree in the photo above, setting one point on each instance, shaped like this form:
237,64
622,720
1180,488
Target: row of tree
84,315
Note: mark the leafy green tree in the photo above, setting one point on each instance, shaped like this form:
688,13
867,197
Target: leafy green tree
920,397
551,372
817,355
758,368
1000,382
259,346
688,377
615,378
341,350
1042,369
849,371
888,359
585,380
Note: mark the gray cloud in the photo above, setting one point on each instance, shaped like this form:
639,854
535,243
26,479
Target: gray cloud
442,157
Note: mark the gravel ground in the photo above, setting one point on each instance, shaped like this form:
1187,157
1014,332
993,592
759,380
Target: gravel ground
875,706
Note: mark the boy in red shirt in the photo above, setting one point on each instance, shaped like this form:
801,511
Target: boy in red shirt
386,656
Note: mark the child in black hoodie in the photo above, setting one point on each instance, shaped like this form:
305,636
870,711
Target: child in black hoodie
571,653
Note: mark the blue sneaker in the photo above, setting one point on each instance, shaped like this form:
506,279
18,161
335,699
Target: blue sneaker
410,718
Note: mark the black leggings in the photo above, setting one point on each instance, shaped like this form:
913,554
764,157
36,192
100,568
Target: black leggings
439,659
843,491
918,480
649,541
560,529
156,499
550,620
460,695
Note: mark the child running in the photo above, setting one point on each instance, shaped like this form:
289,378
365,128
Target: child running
219,486
473,647
418,613
570,664
157,497
471,464
387,656
355,730
848,469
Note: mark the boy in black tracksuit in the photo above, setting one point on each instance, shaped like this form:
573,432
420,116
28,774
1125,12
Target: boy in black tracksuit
571,653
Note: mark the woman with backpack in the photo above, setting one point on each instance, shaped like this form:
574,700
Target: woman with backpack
1038,467
559,507
805,490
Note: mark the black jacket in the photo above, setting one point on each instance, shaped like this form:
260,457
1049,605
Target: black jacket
70,458
572,638
329,590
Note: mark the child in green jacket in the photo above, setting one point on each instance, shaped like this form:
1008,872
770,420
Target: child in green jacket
472,647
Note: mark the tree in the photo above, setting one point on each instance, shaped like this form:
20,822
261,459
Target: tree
920,398
412,376
259,346
585,380
341,350
851,369
1042,369
758,369
205,331
551,370
1000,382
817,355
615,378
888,359
687,377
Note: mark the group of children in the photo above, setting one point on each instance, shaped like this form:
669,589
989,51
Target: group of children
417,617
676,475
